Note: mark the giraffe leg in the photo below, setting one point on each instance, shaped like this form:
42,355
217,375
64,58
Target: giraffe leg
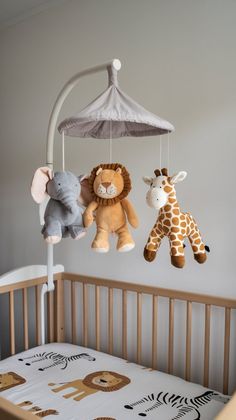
177,252
153,243
197,245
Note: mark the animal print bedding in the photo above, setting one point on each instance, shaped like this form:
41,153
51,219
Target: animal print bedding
77,383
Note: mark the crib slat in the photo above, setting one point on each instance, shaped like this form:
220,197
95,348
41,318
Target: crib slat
73,312
110,320
139,327
50,318
12,322
85,315
188,341
97,315
171,336
207,344
154,332
25,318
226,350
124,324
37,315
59,319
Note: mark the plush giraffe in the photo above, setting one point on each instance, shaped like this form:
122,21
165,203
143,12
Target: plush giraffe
171,222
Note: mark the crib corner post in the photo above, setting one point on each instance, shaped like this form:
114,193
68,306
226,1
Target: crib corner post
59,317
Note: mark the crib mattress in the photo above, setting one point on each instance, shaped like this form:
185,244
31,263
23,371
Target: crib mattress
77,383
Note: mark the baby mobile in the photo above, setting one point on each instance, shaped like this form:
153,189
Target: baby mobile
77,201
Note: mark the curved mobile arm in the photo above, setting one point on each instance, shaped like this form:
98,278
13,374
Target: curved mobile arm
67,88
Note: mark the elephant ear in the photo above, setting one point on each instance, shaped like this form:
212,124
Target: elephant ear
39,182
85,195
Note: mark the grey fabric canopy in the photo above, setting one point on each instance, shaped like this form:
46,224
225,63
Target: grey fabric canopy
114,114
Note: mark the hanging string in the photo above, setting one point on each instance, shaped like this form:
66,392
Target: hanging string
63,150
160,149
168,152
110,142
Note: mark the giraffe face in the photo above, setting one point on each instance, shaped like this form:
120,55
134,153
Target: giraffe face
161,188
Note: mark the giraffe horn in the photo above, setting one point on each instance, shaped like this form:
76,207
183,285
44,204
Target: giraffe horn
157,172
164,171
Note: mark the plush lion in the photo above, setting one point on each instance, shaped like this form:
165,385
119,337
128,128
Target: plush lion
109,185
92,383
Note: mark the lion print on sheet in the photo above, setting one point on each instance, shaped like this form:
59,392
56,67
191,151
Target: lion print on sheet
39,412
183,405
9,380
55,358
92,383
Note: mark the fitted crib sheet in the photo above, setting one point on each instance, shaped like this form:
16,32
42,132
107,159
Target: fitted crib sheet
69,382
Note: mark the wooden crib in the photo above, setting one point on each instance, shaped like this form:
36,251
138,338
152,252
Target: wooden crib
68,320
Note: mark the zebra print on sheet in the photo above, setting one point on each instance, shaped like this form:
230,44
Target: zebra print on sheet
183,405
55,358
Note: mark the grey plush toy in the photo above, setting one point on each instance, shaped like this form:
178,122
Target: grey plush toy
63,214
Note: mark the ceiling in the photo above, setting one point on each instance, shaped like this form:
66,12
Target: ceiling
13,11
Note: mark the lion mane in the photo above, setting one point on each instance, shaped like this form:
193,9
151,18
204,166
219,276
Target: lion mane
88,381
123,194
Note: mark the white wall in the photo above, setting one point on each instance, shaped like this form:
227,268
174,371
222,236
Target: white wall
179,62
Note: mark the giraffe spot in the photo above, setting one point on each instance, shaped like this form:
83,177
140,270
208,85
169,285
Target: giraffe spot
173,251
168,215
176,205
154,240
183,224
175,229
166,229
202,247
176,243
162,216
192,225
166,222
180,237
172,200
159,227
188,231
167,207
181,249
195,235
172,237
198,241
182,217
195,248
175,220
167,189
176,211
183,231
163,182
151,247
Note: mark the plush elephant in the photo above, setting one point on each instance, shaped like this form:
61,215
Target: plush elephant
68,193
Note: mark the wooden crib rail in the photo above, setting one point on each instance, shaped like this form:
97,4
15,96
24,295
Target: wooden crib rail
30,280
155,292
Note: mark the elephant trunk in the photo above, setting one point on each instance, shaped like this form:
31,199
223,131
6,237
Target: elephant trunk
68,199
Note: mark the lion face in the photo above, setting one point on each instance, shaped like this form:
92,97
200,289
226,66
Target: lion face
106,380
108,183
